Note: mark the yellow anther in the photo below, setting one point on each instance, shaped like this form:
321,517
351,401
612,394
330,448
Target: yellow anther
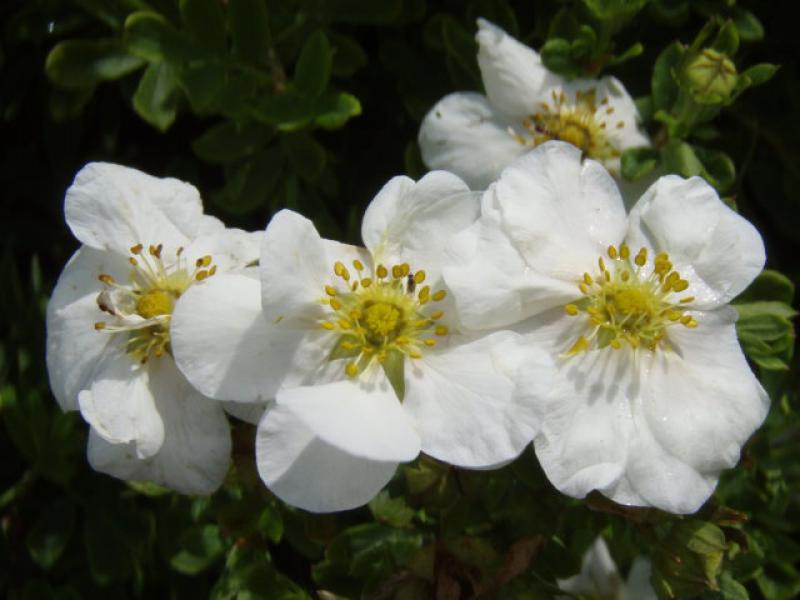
421,323
348,345
107,279
381,272
397,271
686,319
330,290
620,124
419,277
179,251
100,325
133,261
430,342
612,252
344,324
341,271
212,270
587,279
673,315
328,325
438,296
624,251
662,257
137,249
203,261
582,287
415,354
691,324
406,269
680,285
580,345
687,299
615,343
156,251
366,282
437,314
571,309
351,369
424,294
441,330
356,314
358,265
201,275
335,304
625,276
641,257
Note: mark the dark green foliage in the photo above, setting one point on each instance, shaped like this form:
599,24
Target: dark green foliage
313,105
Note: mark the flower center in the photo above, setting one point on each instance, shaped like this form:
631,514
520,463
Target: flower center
582,123
143,306
628,304
381,317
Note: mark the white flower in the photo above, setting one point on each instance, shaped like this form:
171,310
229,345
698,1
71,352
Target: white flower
476,137
360,349
600,580
653,396
145,242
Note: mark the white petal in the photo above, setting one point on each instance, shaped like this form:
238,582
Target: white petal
463,134
223,344
513,74
195,455
717,251
73,344
598,578
412,222
359,417
112,207
638,585
469,403
120,403
305,471
229,249
700,405
560,212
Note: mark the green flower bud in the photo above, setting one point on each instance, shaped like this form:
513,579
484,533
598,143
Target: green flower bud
710,77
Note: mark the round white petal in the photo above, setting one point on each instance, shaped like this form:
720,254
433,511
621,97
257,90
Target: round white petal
463,134
717,251
412,222
305,471
195,455
111,207
360,417
120,403
469,403
230,249
73,344
638,584
513,74
598,578
223,344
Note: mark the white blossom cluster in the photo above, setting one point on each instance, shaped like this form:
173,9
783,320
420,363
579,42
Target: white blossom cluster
468,326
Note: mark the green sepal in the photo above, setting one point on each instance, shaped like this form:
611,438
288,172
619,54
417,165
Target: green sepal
339,351
394,367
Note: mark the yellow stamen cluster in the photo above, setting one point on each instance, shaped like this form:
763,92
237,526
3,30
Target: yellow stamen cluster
627,303
381,316
143,307
583,123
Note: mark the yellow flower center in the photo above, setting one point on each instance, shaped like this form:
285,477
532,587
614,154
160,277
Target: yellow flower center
628,304
381,317
143,307
582,123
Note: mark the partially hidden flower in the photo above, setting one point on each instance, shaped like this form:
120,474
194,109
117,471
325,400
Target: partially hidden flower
599,578
145,242
653,396
477,136
361,351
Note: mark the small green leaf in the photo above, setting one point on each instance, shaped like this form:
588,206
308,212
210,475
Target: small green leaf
748,25
727,40
270,523
252,184
614,10
769,285
348,55
50,534
200,547
157,96
392,511
334,110
633,51
638,162
679,157
76,64
306,155
557,56
760,73
664,85
229,141
394,367
152,37
205,21
313,69
249,29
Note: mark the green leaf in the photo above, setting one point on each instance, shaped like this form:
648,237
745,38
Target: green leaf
614,10
51,532
394,367
306,155
727,40
748,25
152,37
759,74
76,64
334,110
633,51
391,511
199,548
252,184
348,55
270,523
204,84
249,25
157,96
769,285
313,69
679,157
557,56
719,167
730,589
638,162
287,111
229,141
663,82
205,21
